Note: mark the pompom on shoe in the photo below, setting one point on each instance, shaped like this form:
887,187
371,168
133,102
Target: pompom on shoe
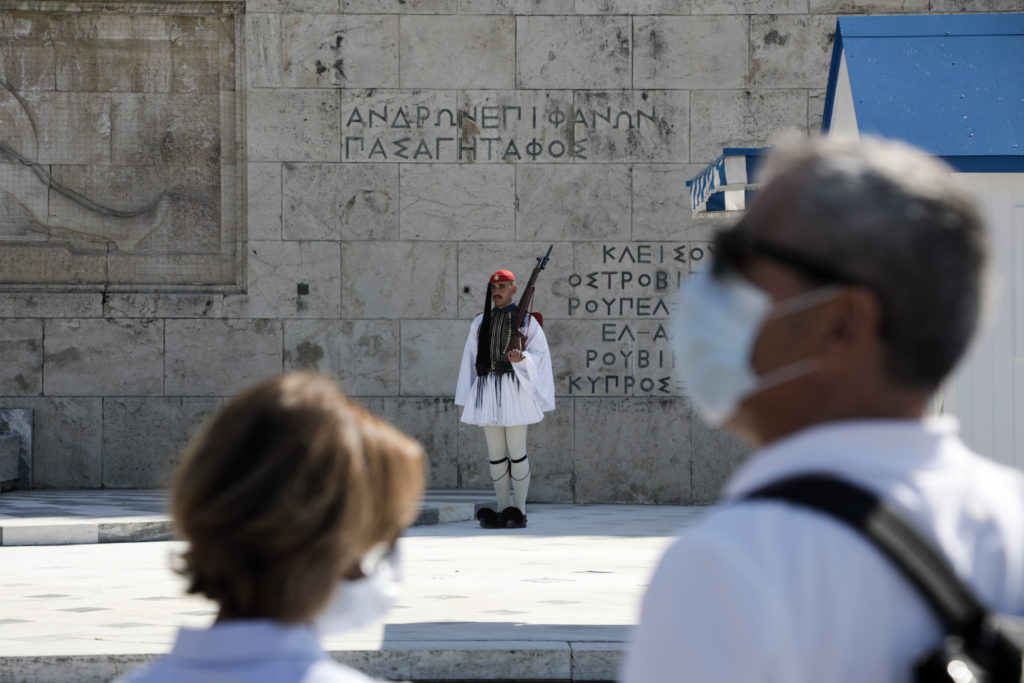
489,519
513,518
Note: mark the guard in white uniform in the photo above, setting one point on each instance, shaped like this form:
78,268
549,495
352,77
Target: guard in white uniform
833,311
503,389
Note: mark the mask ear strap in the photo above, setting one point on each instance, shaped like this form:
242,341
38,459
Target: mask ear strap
801,302
786,373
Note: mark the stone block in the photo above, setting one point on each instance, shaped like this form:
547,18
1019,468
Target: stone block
458,52
89,357
815,110
618,280
277,273
630,125
264,65
431,354
661,204
573,203
170,271
516,126
478,260
341,201
742,118
50,305
18,423
314,6
163,305
470,660
619,358
166,129
400,125
596,661
9,446
398,279
434,423
24,200
73,128
749,6
516,6
138,53
791,51
457,202
143,438
220,357
66,450
30,264
21,347
401,6
573,52
27,55
354,51
906,6
971,6
633,7
633,451
361,354
691,52
263,212
293,125
716,455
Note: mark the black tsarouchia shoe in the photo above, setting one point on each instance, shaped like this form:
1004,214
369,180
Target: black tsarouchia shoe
513,518
489,519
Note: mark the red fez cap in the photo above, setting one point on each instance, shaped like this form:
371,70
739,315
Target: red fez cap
503,276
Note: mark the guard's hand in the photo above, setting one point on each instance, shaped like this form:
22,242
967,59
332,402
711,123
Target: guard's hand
515,355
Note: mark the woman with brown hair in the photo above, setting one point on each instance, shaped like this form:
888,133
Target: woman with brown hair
291,500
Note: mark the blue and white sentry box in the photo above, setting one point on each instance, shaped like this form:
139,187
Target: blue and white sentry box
952,85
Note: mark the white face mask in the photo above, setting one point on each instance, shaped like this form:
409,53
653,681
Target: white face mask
361,602
714,329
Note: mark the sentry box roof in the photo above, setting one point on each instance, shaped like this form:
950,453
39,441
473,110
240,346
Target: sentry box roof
951,84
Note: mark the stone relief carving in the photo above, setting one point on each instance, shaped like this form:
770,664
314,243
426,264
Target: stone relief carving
119,146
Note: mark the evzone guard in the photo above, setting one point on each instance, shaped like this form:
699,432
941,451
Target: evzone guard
505,384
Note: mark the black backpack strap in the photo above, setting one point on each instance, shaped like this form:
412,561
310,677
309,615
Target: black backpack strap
951,600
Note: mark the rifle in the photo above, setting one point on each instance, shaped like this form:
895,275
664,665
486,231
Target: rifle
525,301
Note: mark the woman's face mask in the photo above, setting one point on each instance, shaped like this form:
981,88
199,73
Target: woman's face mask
715,326
361,602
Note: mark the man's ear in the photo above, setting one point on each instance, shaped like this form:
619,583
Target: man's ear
854,326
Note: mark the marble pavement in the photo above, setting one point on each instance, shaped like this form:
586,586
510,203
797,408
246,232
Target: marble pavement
552,602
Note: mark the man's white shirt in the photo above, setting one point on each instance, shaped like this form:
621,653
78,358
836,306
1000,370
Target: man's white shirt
770,592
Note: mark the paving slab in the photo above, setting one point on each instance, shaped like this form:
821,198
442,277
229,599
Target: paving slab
552,602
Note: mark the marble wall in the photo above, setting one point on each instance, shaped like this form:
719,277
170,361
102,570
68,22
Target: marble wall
348,173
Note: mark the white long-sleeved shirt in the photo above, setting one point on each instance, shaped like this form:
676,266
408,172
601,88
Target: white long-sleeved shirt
507,403
247,651
771,592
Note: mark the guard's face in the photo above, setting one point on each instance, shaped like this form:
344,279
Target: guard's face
502,293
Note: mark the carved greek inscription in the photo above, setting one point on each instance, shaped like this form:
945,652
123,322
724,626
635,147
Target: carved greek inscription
508,133
628,291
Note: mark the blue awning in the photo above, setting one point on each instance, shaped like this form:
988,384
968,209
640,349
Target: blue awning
727,183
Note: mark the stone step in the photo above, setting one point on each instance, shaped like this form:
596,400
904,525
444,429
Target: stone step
42,517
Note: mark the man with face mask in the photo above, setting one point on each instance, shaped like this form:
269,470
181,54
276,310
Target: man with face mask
833,311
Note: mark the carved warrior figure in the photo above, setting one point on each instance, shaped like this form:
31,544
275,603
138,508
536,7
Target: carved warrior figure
505,383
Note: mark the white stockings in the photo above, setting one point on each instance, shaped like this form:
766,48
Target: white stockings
510,469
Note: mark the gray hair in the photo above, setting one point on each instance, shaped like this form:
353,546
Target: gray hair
896,219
